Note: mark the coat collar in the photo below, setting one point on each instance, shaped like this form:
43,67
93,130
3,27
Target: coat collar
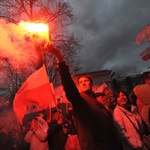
133,110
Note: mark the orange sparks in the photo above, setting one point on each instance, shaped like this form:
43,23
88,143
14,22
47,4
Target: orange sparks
39,29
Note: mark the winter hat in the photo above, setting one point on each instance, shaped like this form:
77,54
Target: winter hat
143,93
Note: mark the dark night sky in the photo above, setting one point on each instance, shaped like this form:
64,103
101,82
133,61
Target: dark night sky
109,29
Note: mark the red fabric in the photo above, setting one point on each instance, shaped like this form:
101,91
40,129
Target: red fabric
48,119
35,90
145,55
101,88
144,34
104,88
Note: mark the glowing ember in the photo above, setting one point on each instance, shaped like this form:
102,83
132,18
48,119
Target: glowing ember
39,29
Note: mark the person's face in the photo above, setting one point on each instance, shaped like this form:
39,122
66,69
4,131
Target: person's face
102,99
85,84
56,116
122,99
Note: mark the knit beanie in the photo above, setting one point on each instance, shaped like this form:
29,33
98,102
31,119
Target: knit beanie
143,93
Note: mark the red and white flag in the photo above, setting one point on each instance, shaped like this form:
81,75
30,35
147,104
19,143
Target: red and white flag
104,88
36,90
145,55
101,88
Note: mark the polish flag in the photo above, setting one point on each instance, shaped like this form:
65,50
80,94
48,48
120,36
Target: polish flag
145,55
104,88
36,90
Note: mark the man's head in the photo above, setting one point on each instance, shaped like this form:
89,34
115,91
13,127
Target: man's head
85,83
101,97
146,77
57,114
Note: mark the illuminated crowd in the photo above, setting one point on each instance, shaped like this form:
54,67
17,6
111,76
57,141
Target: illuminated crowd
94,121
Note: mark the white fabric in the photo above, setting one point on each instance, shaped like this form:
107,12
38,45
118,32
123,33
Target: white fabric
42,123
129,136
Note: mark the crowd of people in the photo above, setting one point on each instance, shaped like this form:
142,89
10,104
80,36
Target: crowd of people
96,122
38,133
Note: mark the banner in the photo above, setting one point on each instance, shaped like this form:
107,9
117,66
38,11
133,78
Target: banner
35,91
145,55
104,89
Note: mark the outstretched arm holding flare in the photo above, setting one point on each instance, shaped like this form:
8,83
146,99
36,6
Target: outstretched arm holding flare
92,120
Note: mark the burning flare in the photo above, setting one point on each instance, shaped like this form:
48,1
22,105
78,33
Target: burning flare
41,30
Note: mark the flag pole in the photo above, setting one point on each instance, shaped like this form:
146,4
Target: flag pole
48,40
49,33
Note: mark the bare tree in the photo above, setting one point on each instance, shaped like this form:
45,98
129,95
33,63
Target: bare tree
58,14
11,79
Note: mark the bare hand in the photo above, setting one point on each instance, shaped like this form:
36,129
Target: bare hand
60,121
49,47
65,130
32,125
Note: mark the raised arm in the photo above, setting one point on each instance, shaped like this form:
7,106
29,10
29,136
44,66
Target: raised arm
70,88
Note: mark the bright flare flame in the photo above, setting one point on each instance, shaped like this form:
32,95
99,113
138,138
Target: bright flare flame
39,29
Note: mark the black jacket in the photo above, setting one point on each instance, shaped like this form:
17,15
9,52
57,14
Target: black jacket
93,123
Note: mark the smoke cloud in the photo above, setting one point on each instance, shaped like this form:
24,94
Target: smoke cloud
109,29
17,44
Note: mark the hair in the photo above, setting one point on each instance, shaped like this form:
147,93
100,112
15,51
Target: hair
99,94
85,76
57,110
117,94
145,76
36,118
133,98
